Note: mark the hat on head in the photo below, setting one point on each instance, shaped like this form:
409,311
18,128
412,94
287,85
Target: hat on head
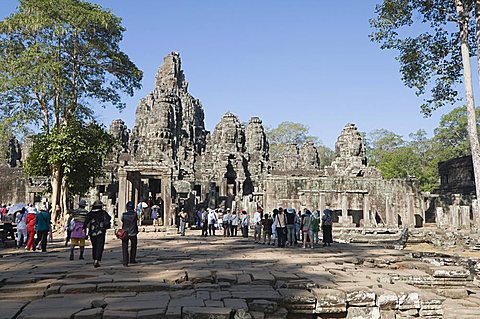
290,210
129,205
98,203
228,209
82,203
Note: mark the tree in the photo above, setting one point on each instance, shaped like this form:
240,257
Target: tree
380,142
439,54
58,58
295,133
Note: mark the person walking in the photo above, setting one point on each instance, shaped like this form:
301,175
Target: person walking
21,221
257,222
245,224
212,220
267,229
306,226
291,225
130,225
42,226
205,223
183,221
327,222
298,224
77,231
234,223
280,226
315,226
97,221
30,221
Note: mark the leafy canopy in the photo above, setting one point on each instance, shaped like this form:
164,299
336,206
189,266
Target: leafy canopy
80,148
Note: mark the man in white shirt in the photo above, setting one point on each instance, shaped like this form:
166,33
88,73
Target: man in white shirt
257,219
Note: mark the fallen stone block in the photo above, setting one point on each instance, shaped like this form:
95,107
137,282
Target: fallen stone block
360,296
386,299
453,293
408,300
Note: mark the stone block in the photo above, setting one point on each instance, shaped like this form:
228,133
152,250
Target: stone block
244,279
330,301
219,295
264,306
173,312
82,288
151,314
387,314
363,313
449,272
453,293
214,303
408,300
113,314
386,299
297,296
95,313
186,302
242,314
281,313
206,313
235,304
9,309
360,296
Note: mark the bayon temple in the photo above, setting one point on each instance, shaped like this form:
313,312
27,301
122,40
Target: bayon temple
168,158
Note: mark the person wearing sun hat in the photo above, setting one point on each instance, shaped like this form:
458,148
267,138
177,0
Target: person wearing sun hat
97,221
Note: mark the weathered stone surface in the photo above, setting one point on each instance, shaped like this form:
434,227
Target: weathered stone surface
206,313
360,296
264,306
72,289
363,313
235,304
8,309
95,313
408,300
330,301
114,314
386,299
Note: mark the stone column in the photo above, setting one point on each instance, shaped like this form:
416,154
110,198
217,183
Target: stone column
167,201
440,218
390,218
366,211
465,217
454,216
122,192
476,214
344,221
409,220
136,189
321,203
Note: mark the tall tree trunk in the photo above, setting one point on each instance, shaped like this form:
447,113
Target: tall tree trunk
463,18
56,189
64,198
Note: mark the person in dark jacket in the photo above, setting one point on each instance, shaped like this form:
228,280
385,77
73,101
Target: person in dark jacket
129,224
290,215
97,221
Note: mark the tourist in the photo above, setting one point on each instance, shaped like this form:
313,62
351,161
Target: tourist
274,227
281,226
42,226
67,228
97,221
21,220
212,221
183,221
31,216
298,222
8,225
234,223
129,224
199,218
155,215
267,229
290,215
315,226
77,231
226,223
220,219
327,222
245,223
306,226
257,222
205,222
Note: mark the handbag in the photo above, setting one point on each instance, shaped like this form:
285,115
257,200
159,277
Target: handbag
121,234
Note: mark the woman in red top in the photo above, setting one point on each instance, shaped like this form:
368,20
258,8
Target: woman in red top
31,228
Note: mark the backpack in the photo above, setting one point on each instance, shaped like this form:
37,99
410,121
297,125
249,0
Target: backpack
77,230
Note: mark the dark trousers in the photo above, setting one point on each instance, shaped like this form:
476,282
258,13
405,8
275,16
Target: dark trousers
327,234
41,236
245,231
204,229
234,230
98,243
281,236
67,239
133,249
211,228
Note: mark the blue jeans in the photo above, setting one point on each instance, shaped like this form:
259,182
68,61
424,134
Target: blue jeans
291,233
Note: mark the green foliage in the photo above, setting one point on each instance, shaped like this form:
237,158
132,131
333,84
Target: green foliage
287,133
79,148
59,56
429,59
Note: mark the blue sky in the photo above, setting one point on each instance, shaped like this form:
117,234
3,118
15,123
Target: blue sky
307,61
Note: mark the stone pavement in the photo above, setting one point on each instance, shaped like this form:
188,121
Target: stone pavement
194,278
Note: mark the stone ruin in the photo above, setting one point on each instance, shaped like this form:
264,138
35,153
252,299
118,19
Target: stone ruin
171,160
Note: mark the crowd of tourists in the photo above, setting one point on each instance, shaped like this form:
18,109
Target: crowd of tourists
281,227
